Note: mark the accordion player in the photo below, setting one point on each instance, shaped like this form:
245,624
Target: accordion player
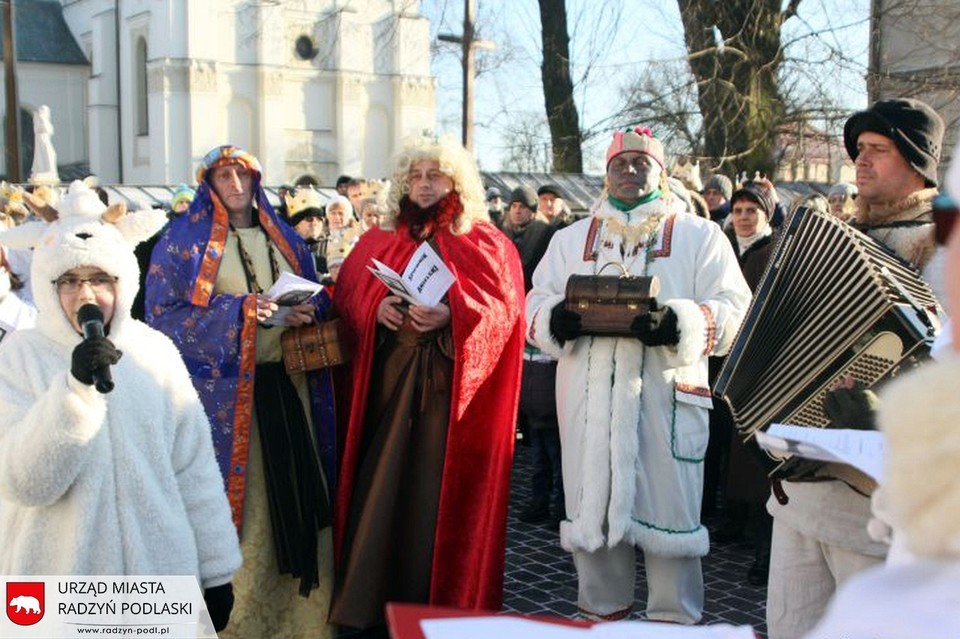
833,303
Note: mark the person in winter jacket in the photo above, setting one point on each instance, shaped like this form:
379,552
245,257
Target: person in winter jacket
820,537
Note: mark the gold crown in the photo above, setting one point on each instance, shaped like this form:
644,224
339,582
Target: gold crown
11,200
10,193
305,198
337,250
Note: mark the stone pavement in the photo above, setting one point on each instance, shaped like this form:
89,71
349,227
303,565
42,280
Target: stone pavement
540,578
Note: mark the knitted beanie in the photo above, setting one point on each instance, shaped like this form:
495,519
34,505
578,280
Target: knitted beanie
843,188
183,193
756,193
550,188
720,183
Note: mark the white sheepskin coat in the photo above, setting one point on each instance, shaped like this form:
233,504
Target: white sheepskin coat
633,419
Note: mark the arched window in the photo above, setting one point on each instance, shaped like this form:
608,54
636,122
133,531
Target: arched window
143,120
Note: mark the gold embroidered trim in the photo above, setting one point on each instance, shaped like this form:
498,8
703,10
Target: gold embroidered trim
634,234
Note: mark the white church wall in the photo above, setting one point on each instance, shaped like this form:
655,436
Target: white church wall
227,70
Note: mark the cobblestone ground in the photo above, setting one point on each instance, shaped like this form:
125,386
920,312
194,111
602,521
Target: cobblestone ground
540,578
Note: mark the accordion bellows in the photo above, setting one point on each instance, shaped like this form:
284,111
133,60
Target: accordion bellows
832,302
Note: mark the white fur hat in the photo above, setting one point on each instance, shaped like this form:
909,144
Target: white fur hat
85,233
920,415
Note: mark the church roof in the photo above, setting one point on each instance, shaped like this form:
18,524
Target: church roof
42,34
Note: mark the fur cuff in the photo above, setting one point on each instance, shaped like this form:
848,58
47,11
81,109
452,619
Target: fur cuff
577,535
693,333
574,535
669,543
538,332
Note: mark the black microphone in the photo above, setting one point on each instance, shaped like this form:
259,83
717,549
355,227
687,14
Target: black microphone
90,319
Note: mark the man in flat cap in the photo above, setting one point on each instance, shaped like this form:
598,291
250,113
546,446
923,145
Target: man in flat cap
553,208
633,409
820,527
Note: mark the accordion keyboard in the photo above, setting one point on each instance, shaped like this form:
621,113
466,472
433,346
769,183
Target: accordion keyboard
869,366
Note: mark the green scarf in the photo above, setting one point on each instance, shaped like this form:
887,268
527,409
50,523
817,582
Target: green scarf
620,205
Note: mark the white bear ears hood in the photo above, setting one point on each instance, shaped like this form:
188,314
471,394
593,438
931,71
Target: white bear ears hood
82,231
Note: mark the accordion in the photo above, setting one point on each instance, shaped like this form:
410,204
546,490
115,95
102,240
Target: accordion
832,302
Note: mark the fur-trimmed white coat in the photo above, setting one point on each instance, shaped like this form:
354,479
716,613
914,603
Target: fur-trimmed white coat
117,484
633,419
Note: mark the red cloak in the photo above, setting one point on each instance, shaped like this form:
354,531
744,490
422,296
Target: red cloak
487,321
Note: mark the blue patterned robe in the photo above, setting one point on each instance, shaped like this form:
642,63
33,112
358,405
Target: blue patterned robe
216,333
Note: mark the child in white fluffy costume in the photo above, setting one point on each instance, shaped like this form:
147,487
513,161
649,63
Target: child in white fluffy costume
119,483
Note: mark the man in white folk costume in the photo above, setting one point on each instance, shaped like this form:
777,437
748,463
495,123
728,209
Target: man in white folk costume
633,410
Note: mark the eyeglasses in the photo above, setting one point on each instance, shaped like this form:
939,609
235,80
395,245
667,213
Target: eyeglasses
70,284
945,213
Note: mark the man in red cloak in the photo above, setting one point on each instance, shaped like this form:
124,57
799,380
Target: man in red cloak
429,402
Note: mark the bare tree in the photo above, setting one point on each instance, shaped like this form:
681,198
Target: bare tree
747,79
526,146
735,53
664,97
558,88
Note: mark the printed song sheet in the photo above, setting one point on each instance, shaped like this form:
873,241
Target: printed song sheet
424,281
865,450
289,290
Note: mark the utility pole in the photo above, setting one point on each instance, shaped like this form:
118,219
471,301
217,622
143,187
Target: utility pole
874,82
468,46
12,100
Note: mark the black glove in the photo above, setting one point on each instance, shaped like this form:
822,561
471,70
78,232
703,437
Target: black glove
91,355
854,407
564,324
657,328
219,604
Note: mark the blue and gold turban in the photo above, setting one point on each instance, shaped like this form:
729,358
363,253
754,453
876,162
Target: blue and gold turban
227,154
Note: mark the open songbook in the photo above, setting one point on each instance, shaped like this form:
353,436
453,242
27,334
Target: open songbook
865,450
424,281
289,290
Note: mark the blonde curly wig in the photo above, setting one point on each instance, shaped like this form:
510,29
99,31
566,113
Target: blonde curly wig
455,162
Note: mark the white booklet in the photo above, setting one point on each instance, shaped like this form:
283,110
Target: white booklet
424,281
865,450
289,290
